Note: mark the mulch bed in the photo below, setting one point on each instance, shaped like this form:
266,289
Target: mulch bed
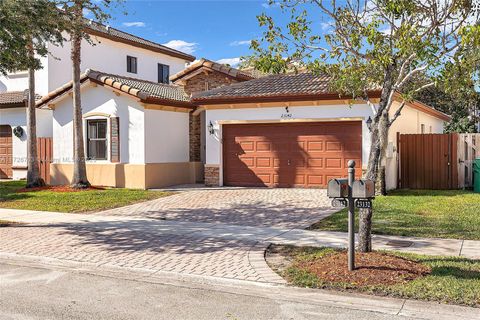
374,268
58,189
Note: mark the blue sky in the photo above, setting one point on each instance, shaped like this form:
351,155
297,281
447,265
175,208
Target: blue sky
216,30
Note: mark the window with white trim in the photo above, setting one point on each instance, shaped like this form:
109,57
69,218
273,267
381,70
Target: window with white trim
97,139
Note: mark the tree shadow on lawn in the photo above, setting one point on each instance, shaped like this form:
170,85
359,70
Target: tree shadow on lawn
8,192
456,272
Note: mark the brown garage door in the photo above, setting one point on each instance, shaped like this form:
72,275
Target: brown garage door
5,151
290,155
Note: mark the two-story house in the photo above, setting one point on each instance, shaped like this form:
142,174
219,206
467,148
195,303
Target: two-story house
146,129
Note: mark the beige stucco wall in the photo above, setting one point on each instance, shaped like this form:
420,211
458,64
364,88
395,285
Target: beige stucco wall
409,122
159,175
133,176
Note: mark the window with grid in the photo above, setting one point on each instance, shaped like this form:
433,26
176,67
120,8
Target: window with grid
97,139
163,73
131,64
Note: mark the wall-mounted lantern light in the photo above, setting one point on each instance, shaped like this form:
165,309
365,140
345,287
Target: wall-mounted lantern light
211,130
369,123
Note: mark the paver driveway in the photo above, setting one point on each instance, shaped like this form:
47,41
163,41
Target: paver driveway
287,208
177,233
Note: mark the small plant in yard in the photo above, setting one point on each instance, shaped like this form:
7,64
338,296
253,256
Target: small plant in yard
445,279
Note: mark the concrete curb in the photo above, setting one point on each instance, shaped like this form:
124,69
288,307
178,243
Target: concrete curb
256,258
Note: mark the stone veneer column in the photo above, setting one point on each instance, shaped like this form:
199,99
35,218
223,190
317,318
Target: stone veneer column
212,175
195,138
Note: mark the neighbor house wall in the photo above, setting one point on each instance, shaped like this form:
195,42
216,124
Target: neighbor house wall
18,81
17,117
409,122
274,114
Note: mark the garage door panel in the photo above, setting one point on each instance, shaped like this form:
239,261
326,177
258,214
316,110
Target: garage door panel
289,155
264,162
333,163
314,146
263,146
333,146
315,163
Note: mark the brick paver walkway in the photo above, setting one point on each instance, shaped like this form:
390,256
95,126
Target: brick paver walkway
250,207
146,240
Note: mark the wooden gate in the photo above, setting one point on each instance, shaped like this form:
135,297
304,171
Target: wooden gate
468,151
44,151
428,161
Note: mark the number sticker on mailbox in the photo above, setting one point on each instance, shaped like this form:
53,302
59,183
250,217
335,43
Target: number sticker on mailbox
339,203
363,203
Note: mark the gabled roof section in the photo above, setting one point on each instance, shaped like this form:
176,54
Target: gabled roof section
146,91
208,65
98,29
14,99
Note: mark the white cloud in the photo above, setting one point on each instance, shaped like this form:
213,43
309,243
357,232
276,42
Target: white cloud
240,43
327,25
265,5
86,13
233,62
134,24
180,45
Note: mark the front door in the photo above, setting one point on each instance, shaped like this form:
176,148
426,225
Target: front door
5,151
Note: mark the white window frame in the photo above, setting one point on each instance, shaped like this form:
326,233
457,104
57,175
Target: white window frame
85,140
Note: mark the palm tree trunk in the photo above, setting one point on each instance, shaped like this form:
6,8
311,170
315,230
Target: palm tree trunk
33,171
79,167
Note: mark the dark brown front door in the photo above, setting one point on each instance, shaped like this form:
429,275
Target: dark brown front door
290,155
5,151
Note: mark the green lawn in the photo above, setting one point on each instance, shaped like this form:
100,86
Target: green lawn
421,213
452,279
82,201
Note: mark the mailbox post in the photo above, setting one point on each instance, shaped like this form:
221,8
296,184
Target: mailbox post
351,216
350,193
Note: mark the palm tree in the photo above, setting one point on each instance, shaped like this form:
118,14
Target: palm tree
33,171
79,167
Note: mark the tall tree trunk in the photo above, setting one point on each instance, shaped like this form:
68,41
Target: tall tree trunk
379,137
33,171
79,168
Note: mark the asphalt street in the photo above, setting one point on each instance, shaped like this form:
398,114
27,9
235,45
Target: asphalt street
28,292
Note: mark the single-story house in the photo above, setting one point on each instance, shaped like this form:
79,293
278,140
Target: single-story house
291,130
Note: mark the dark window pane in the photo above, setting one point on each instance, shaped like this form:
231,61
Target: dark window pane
131,64
102,130
97,139
163,73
